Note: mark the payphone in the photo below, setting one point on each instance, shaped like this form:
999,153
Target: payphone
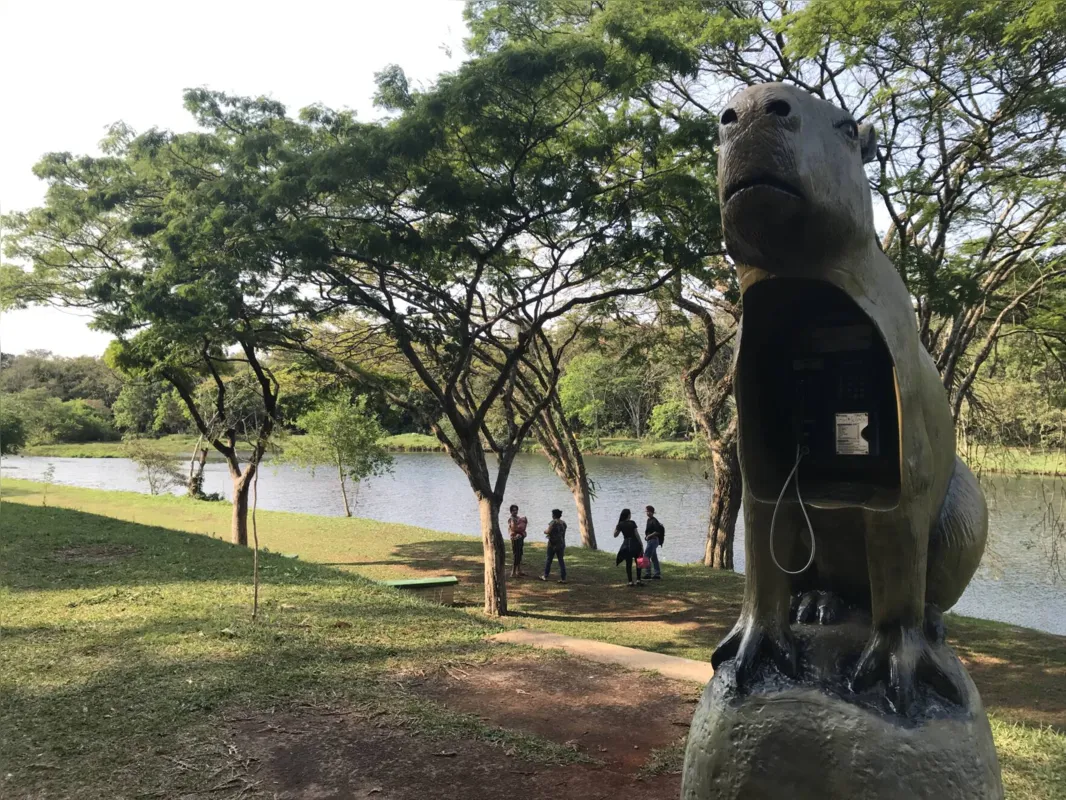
819,370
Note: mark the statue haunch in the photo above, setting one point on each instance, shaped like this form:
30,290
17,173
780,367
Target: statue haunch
900,528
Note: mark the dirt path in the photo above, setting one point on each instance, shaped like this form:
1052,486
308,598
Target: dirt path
615,718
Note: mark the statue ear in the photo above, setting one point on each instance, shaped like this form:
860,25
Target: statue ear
868,142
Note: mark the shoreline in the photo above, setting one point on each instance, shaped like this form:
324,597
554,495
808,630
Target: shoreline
17,487
994,461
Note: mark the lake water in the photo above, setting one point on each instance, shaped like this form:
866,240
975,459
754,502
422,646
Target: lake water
1017,582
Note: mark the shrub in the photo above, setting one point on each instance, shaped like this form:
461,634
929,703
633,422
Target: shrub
157,467
12,430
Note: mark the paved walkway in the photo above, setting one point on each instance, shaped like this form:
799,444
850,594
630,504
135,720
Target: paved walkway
685,669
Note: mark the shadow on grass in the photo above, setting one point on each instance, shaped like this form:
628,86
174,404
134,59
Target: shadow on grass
115,673
1021,673
7,490
70,549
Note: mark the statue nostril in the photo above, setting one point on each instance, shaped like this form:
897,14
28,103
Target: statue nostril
729,116
779,107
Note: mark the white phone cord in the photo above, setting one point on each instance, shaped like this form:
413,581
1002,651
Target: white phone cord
773,520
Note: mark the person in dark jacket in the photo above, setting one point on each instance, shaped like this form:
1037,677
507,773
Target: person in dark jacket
556,533
631,548
654,534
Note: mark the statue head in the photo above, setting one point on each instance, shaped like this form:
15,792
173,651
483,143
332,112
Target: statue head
791,181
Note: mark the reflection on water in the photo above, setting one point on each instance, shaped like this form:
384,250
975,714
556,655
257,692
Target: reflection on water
1016,582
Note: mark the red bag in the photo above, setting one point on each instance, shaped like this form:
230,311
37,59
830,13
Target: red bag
643,563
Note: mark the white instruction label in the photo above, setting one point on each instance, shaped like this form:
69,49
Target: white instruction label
849,434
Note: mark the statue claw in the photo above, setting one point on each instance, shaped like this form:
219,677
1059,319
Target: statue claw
902,658
823,608
750,640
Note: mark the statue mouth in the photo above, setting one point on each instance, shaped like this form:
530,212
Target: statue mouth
760,181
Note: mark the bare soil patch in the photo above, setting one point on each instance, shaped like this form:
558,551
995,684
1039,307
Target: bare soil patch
592,708
608,713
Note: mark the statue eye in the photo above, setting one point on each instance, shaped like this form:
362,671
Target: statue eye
851,130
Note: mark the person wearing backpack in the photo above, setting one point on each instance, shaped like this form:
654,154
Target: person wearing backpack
516,527
654,535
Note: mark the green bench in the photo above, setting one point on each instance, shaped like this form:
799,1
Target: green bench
441,590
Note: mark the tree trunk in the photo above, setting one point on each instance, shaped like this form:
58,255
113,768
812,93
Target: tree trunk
344,491
725,505
492,542
239,525
583,501
195,486
560,445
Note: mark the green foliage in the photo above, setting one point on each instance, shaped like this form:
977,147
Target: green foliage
81,378
47,419
171,415
342,435
669,419
155,465
134,408
13,435
584,387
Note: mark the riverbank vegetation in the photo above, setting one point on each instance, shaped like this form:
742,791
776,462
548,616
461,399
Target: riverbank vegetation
130,643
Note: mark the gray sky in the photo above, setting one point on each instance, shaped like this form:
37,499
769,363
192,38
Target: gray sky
83,65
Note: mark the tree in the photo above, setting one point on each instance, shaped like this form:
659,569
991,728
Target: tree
12,430
170,414
492,206
134,408
669,419
81,378
152,238
707,382
970,106
155,465
47,419
584,387
537,386
344,436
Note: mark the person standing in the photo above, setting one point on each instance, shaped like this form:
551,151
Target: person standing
654,535
631,548
516,528
556,533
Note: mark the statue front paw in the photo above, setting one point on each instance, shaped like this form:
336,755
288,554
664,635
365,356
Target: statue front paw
750,641
820,607
902,657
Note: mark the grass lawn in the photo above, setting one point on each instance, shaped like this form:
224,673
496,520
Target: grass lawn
149,645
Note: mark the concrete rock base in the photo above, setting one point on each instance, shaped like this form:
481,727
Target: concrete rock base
807,740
